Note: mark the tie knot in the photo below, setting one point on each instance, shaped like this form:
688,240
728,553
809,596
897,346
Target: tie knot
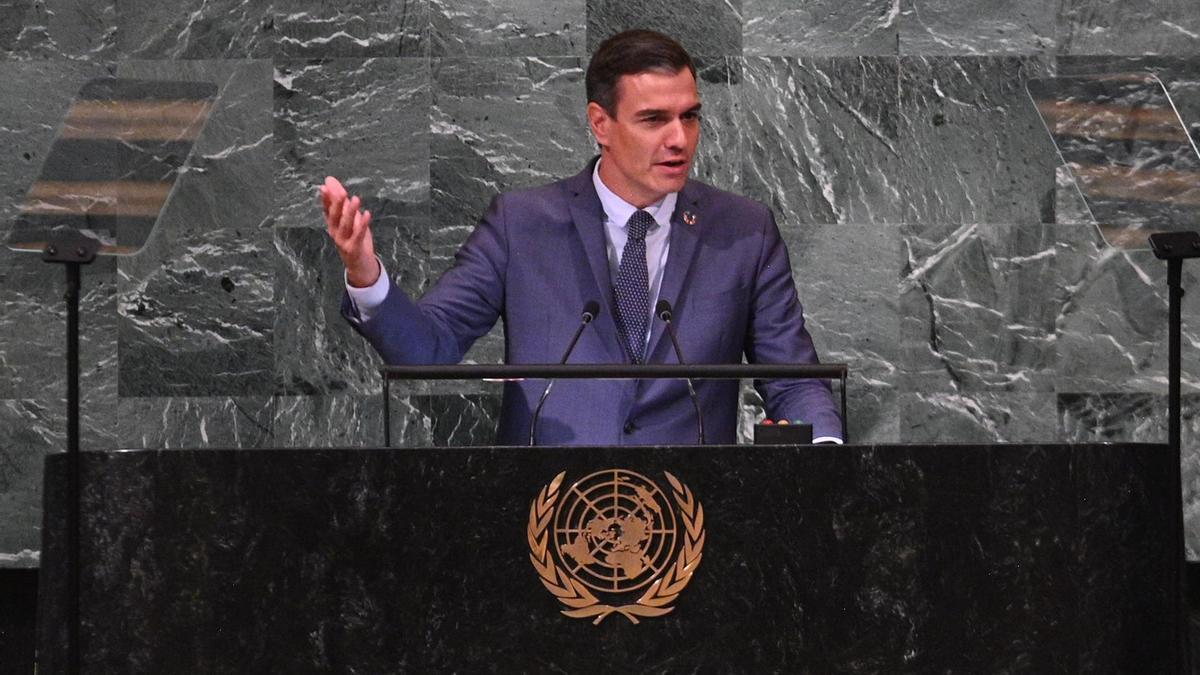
639,223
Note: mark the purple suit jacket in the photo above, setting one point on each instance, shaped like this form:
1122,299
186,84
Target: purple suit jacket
539,255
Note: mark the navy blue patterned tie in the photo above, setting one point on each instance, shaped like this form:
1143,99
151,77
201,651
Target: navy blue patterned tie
633,287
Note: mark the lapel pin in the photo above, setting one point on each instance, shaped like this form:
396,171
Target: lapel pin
689,217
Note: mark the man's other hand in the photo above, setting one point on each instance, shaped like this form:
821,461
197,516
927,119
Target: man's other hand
350,229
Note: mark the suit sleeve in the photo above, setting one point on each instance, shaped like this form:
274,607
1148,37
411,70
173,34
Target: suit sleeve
777,334
461,307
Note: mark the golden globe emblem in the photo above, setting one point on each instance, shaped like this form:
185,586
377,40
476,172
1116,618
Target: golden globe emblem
614,533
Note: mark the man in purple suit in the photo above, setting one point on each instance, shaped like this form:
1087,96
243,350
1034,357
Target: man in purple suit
629,230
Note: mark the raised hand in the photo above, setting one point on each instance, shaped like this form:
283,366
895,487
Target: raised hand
350,230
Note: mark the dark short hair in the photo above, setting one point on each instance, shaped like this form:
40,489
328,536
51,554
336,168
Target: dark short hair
629,53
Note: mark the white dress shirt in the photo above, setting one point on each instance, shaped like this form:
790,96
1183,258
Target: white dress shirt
617,213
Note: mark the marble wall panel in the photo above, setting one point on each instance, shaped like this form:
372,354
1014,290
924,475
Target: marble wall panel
1115,27
820,28
363,121
339,421
703,27
822,138
58,29
1113,327
313,28
197,302
163,423
976,417
722,147
873,414
30,429
33,328
979,305
976,27
195,29
974,149
316,351
1179,74
499,124
508,28
846,282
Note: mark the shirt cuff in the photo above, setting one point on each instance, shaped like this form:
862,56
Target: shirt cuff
827,439
367,300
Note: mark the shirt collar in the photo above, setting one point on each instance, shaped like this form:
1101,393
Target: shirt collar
618,211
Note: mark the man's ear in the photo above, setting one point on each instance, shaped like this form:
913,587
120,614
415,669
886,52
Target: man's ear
600,122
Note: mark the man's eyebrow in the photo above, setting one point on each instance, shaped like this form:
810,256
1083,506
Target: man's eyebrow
655,112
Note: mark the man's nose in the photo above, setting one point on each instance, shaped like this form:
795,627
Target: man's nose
676,135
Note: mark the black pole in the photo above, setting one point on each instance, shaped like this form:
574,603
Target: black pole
1174,247
845,426
73,557
1174,413
387,413
73,250
1175,284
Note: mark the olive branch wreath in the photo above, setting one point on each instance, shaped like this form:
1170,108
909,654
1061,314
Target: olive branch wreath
657,599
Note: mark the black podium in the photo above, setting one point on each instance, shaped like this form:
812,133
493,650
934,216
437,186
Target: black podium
1050,558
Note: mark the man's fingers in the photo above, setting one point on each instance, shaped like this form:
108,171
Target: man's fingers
335,188
334,215
349,209
323,195
362,224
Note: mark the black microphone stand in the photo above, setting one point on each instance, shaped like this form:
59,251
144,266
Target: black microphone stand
663,310
1175,247
590,311
72,250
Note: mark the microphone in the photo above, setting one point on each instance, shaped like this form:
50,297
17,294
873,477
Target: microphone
663,311
591,310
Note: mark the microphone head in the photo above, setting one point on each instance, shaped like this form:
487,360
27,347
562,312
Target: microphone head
591,310
663,310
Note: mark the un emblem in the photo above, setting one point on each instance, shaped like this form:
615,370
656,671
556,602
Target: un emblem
612,534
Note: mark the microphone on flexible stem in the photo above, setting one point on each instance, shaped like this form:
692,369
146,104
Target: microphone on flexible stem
591,310
663,311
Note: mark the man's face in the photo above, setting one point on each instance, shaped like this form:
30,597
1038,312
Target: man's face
649,144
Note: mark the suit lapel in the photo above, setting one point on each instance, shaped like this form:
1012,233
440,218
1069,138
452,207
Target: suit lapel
588,216
684,239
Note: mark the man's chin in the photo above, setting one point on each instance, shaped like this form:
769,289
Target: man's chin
674,185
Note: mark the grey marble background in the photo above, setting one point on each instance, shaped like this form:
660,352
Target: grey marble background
935,245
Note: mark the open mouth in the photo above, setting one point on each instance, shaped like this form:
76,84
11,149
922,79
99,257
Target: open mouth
674,164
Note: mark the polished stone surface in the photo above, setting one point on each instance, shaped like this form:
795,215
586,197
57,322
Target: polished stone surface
58,29
976,26
1109,27
197,303
703,27
856,559
823,138
974,148
508,28
820,27
980,305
